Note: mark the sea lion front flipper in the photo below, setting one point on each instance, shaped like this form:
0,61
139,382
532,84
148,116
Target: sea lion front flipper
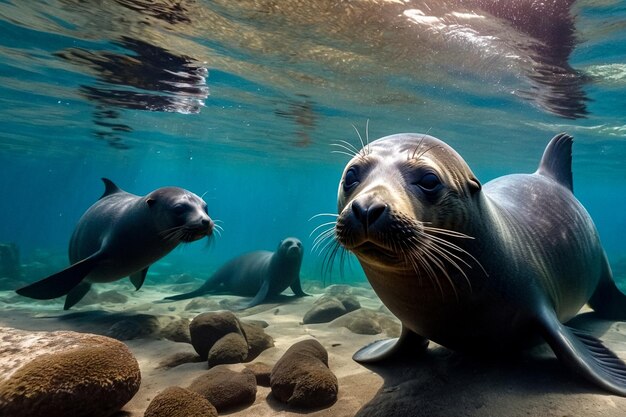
62,282
138,278
76,294
296,287
408,343
585,355
607,300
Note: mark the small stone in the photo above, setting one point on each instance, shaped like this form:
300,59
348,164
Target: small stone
180,402
226,389
325,312
364,325
177,359
202,304
134,328
301,377
231,348
177,331
257,339
339,289
261,372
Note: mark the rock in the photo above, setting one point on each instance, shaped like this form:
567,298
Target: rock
364,325
324,312
226,389
113,297
261,372
202,304
339,289
257,340
301,377
64,374
364,321
177,359
177,331
258,323
179,402
231,348
134,328
207,328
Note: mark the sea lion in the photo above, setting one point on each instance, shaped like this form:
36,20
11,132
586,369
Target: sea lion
259,274
478,268
122,234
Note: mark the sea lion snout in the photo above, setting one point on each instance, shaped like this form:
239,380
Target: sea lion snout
368,211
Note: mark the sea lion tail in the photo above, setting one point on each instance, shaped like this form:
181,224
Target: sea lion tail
607,300
62,282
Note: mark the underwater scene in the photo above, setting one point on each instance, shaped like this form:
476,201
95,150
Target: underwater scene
328,208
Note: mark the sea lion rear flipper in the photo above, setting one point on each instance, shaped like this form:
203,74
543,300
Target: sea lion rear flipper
296,287
585,355
138,278
259,297
408,343
76,294
607,300
62,282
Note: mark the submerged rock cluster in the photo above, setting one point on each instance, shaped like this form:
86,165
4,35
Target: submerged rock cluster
220,338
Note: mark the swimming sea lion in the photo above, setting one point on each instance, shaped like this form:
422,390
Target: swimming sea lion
259,274
478,268
121,235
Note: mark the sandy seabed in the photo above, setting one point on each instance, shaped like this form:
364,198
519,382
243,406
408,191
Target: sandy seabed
440,383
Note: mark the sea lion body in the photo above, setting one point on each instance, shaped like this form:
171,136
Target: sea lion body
121,235
259,274
476,268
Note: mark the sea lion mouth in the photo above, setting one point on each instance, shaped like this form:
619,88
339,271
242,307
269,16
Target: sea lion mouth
187,234
370,249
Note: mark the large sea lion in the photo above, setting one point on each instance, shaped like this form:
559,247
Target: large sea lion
259,274
478,268
122,234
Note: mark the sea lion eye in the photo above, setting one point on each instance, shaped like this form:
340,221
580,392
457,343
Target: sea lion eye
179,209
429,182
351,179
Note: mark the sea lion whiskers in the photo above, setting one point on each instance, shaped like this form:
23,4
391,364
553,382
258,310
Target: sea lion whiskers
365,146
417,260
349,149
324,234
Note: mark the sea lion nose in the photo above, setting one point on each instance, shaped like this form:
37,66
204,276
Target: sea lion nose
368,213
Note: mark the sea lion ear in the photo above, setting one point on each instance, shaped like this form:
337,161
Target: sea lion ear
150,201
474,185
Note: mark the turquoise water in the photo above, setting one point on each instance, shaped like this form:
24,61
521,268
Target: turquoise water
241,103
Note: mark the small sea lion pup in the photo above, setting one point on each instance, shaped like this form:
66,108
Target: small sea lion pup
259,274
478,268
122,234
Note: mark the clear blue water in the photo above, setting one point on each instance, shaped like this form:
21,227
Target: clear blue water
241,101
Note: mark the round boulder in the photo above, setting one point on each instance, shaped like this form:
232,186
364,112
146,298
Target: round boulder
179,402
226,389
301,377
64,374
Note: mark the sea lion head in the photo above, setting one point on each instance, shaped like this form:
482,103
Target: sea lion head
402,201
179,214
290,248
